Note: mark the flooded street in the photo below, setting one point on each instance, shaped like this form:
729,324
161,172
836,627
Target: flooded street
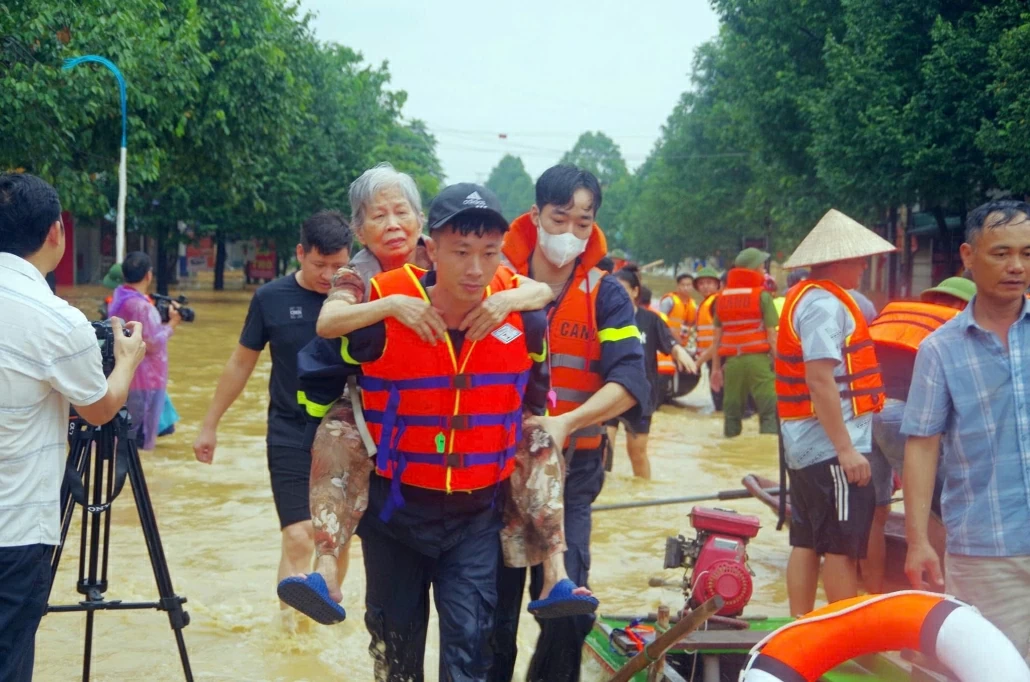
221,536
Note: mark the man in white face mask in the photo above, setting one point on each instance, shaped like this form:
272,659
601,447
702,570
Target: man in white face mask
597,372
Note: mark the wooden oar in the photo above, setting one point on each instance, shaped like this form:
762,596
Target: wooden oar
656,649
741,494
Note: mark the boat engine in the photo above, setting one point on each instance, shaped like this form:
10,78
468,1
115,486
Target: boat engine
717,557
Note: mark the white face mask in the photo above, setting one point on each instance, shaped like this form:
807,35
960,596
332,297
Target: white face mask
559,249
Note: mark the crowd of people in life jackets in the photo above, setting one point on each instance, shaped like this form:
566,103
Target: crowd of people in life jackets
931,394
445,398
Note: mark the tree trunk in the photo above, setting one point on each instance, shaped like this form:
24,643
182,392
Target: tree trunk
892,258
172,263
942,229
219,260
161,264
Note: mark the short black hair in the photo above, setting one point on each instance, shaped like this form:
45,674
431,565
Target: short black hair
645,297
684,275
606,264
475,223
1009,209
135,267
559,184
327,231
28,207
629,276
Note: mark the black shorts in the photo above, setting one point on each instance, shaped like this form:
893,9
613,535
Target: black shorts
290,471
828,514
638,427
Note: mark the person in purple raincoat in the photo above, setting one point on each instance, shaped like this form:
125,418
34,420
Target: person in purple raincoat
149,386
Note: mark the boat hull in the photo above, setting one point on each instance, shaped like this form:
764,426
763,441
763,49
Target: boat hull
722,662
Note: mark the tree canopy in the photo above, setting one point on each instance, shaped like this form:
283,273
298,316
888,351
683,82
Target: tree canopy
241,122
512,185
861,105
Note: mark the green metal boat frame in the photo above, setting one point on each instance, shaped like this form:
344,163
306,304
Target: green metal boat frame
712,655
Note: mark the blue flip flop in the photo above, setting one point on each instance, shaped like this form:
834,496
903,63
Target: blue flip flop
310,596
562,602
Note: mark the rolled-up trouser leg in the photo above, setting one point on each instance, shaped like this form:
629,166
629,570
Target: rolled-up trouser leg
340,467
534,514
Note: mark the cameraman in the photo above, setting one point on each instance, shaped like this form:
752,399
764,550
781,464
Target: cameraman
131,302
49,358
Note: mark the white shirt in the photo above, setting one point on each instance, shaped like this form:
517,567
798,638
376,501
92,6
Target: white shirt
822,322
48,357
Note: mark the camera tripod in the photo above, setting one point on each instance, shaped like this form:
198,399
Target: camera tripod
99,460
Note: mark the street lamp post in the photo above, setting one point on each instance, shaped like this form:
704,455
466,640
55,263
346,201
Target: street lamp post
120,218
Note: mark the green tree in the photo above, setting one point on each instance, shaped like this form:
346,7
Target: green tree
1005,137
411,149
65,126
598,153
512,185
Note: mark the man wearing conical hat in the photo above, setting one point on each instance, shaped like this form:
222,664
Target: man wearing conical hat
828,387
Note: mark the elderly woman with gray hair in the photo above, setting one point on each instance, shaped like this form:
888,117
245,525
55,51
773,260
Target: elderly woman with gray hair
387,219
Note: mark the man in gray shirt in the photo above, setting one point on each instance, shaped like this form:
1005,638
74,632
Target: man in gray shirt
828,387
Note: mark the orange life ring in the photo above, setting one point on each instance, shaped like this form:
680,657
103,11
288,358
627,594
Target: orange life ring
937,625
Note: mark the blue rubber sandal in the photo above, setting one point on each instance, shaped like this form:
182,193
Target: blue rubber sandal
310,596
562,602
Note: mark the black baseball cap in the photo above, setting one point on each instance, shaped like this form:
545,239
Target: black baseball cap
466,198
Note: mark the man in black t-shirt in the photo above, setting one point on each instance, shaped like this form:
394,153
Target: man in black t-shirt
283,314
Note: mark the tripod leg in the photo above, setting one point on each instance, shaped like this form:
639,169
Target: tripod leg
77,461
171,602
97,515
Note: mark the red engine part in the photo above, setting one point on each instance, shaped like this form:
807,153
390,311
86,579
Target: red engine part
721,564
724,522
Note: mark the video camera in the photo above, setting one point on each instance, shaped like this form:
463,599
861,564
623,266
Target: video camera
105,338
164,303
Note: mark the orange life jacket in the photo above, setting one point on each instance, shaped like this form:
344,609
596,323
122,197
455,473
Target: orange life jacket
706,324
573,347
444,422
666,365
861,380
682,315
904,324
740,313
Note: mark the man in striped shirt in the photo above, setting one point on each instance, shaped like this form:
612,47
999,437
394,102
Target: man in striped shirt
971,388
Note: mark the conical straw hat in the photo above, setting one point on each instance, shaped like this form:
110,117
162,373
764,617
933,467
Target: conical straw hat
837,237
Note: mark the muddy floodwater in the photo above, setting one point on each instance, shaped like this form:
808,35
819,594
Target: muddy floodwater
221,536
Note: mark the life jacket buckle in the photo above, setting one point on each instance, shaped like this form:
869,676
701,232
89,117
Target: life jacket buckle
454,460
460,422
461,381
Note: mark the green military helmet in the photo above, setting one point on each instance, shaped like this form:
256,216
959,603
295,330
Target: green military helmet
114,278
706,271
751,258
958,287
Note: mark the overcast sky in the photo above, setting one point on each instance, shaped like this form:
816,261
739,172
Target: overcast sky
540,71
